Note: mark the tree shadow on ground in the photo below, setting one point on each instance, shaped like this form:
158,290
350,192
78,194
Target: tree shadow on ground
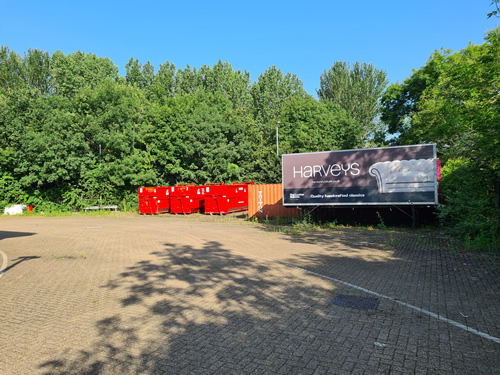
205,309
200,309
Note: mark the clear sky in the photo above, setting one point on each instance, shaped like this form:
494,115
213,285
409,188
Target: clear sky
303,37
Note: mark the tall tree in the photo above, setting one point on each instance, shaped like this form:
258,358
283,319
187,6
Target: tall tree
307,125
12,70
38,71
454,102
357,90
76,70
401,100
139,75
30,72
163,85
272,90
453,98
222,80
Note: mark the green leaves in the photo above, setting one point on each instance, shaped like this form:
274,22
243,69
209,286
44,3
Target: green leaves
74,133
453,101
75,71
357,90
307,125
272,90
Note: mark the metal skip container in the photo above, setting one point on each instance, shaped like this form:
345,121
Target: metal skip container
154,200
223,199
187,199
267,201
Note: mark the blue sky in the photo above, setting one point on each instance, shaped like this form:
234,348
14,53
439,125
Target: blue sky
302,37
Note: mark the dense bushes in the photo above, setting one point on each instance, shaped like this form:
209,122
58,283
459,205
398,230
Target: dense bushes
74,133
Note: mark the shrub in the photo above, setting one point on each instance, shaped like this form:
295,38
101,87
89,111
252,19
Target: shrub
469,199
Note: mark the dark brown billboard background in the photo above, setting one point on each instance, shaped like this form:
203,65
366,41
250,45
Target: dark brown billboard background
400,175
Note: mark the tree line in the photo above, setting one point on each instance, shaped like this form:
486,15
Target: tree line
73,132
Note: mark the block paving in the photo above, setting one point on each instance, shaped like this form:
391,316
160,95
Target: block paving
119,294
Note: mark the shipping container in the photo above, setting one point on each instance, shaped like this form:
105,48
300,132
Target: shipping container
266,201
223,199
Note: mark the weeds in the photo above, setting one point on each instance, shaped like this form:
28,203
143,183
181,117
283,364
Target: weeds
381,225
484,241
63,257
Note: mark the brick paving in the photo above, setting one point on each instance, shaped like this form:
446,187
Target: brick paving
209,295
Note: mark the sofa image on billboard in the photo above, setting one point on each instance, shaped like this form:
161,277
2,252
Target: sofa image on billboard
399,176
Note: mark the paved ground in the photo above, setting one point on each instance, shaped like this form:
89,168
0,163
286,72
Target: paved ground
196,295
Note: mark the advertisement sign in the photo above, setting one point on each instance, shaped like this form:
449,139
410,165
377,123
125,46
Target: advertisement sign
402,175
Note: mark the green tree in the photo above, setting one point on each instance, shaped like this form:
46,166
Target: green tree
117,126
271,91
453,101
222,80
30,72
357,90
186,81
139,75
163,85
307,125
38,71
400,101
12,70
70,73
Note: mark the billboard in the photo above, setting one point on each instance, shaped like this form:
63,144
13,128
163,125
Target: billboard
402,175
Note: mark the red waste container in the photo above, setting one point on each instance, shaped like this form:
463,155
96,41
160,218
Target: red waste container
147,201
163,199
223,199
187,199
154,200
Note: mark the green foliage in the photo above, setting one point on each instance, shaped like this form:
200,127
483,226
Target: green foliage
400,101
453,101
381,225
307,125
272,91
495,12
357,90
70,73
73,133
470,201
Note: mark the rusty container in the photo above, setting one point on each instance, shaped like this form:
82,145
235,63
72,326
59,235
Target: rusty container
187,199
223,199
267,201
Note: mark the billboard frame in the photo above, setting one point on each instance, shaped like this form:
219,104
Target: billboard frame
429,202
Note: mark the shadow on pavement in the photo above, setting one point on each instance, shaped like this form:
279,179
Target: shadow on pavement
205,309
198,310
8,234
19,261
